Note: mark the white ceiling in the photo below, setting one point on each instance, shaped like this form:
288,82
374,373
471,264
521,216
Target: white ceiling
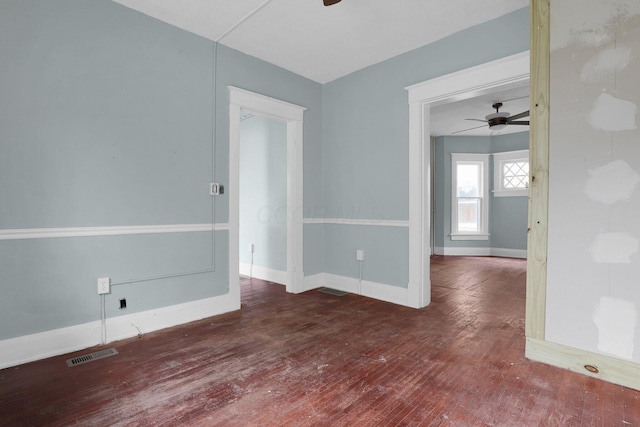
450,118
324,43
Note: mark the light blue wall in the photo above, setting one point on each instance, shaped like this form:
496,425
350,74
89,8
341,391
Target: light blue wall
106,120
365,132
263,192
445,145
237,69
507,215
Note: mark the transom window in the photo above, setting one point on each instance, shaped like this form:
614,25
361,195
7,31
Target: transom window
511,173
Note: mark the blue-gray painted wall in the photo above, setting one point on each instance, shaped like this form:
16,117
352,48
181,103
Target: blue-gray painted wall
106,120
263,192
507,215
365,144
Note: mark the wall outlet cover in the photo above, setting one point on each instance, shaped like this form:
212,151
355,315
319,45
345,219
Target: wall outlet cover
103,285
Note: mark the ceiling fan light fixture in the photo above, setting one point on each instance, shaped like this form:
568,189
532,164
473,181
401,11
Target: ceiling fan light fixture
497,127
496,115
330,2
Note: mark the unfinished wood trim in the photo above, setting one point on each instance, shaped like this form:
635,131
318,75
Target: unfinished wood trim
609,369
539,167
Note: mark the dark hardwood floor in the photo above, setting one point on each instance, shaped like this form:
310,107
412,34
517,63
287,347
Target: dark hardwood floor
318,359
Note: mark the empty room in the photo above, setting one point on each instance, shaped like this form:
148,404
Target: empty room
319,212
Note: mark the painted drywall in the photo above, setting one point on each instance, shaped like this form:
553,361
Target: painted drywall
263,192
366,134
593,297
507,215
444,146
237,69
108,119
98,106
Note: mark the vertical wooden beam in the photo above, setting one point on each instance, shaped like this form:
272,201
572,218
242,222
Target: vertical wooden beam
539,167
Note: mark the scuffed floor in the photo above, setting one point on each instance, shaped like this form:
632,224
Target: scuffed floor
323,360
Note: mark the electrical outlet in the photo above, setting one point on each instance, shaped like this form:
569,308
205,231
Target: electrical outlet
360,255
252,247
123,303
104,285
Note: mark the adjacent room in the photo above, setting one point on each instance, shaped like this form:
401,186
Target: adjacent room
182,182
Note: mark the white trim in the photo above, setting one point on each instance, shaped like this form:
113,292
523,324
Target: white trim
466,159
379,291
509,253
27,348
617,371
264,273
468,83
48,233
511,193
498,160
462,236
507,72
265,106
456,251
363,222
497,252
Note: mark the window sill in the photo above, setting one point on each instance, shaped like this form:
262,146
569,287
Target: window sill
469,236
511,193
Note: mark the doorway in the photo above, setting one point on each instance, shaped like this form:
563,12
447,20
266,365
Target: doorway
263,198
264,106
464,84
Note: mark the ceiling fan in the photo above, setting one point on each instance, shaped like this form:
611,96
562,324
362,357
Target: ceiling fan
500,120
330,2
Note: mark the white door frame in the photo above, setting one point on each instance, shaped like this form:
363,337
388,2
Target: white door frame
511,71
292,115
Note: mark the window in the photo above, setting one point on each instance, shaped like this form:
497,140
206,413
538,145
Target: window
469,196
511,174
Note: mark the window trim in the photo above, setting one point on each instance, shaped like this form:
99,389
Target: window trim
498,160
483,160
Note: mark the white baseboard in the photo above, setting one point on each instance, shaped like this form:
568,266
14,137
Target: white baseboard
380,291
27,348
264,273
611,369
455,251
509,253
499,252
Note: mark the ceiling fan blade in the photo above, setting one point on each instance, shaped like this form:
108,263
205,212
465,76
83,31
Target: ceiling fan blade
464,130
524,122
519,116
477,120
330,2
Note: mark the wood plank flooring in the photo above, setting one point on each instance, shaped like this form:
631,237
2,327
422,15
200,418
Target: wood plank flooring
316,359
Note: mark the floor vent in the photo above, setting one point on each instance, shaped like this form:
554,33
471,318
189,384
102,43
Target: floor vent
333,292
91,357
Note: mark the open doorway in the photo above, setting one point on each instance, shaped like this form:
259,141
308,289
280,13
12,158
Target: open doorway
422,97
263,198
292,115
493,163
